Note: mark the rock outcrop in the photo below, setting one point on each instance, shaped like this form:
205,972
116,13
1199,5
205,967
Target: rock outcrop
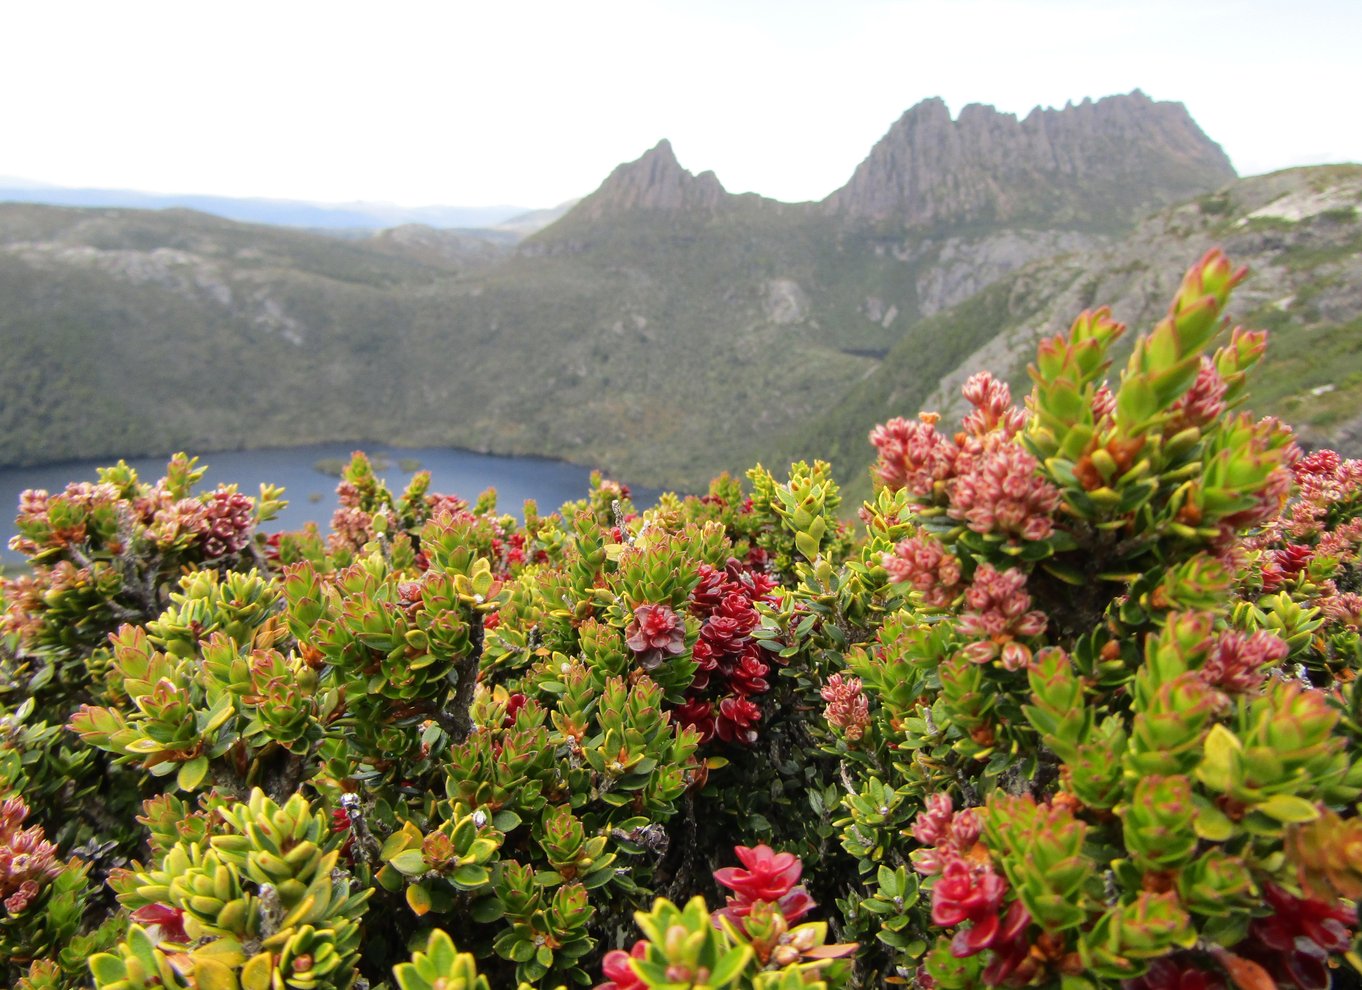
655,181
1098,165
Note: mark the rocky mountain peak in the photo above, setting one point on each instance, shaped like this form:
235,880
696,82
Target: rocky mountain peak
1094,164
655,181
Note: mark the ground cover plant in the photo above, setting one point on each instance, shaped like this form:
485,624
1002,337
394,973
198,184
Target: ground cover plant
1072,703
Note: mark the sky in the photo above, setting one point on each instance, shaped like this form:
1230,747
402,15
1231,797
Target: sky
533,103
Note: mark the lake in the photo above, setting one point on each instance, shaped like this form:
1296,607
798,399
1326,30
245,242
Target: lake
311,493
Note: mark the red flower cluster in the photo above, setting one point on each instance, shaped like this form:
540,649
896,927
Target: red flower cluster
27,860
1294,942
968,889
1176,972
619,975
924,563
730,664
998,611
351,528
769,876
163,923
655,634
1285,564
514,704
228,521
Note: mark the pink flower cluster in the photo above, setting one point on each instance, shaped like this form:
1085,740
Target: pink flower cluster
220,523
1327,485
993,408
847,708
351,526
968,889
655,634
1342,608
162,922
913,455
1202,404
982,475
1001,492
27,860
945,835
730,664
924,563
998,610
38,532
1237,662
1103,403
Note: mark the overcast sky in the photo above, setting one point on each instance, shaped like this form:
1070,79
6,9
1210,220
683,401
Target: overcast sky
529,103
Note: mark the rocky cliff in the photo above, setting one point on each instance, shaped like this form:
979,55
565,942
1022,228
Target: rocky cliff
1097,165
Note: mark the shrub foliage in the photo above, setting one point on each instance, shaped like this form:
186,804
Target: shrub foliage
1074,705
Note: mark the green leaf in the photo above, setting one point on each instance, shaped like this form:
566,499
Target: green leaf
730,966
418,899
469,877
1210,822
410,863
487,909
1288,808
256,974
192,773
106,969
1220,762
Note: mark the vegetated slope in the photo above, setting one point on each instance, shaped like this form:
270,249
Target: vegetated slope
662,328
1300,234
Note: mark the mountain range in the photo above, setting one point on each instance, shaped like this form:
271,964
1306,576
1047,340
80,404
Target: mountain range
663,327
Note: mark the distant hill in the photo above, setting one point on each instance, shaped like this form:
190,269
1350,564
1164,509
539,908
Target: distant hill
662,327
277,212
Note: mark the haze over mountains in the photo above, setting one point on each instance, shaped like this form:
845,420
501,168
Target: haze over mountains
662,327
288,212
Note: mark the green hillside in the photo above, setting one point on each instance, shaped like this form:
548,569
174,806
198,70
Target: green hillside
663,328
1300,234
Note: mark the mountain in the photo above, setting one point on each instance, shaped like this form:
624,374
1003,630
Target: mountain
278,212
656,182
1097,165
662,327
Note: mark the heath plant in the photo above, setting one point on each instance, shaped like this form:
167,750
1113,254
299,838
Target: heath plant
1074,705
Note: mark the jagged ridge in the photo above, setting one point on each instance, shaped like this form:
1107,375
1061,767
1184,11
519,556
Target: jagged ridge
1094,164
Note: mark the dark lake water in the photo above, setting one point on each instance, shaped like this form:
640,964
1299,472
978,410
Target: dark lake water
312,493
